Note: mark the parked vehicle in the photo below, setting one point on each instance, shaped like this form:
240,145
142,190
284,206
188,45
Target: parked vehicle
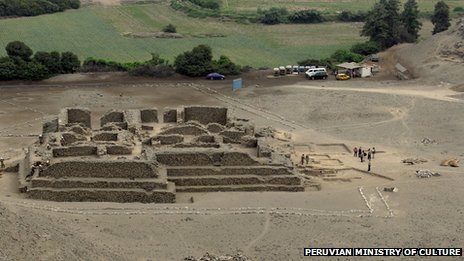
314,73
342,76
215,76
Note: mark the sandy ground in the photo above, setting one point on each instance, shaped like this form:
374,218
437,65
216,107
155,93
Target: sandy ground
391,115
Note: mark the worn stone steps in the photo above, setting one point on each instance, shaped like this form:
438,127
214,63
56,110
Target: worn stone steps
227,188
235,180
146,184
224,171
105,194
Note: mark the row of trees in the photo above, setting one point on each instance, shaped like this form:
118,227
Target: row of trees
35,7
22,64
386,26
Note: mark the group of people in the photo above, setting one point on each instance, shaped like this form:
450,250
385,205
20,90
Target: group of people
304,159
361,154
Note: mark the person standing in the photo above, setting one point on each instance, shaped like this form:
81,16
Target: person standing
359,152
362,156
2,163
355,152
307,159
369,155
369,166
373,152
302,159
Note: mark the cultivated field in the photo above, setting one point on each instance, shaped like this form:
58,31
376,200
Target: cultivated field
98,31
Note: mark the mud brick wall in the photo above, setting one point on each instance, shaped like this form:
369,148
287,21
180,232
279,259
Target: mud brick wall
214,127
169,115
50,125
112,116
105,136
243,180
101,169
74,151
264,149
204,138
205,115
184,159
70,138
185,130
118,150
149,115
81,116
104,196
237,159
232,136
168,139
211,171
205,158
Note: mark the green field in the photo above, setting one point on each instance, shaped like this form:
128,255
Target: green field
97,31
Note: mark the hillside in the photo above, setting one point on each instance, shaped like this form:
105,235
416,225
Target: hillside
439,58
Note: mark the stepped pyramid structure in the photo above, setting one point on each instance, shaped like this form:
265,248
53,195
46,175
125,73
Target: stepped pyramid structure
140,156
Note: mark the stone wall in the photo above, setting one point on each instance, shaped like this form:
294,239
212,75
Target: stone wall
70,137
101,169
118,150
184,130
74,151
149,115
205,158
232,136
242,170
205,115
50,125
112,116
168,139
169,115
105,136
214,127
79,115
264,149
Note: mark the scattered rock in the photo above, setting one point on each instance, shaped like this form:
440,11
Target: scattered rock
427,141
211,257
390,189
450,162
425,173
411,161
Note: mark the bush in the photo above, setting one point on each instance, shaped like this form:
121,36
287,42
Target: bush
306,17
49,60
150,70
341,56
18,49
347,16
328,63
458,9
273,16
169,29
69,62
93,65
209,4
225,66
366,48
197,62
35,7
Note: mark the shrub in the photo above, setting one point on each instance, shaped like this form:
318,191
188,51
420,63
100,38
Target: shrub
209,4
69,62
306,17
458,9
347,16
93,65
35,7
18,49
366,48
273,16
49,60
169,29
197,62
150,70
225,66
346,56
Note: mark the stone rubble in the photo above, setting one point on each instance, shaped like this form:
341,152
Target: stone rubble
425,173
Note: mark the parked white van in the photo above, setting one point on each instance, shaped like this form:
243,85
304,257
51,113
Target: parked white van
316,73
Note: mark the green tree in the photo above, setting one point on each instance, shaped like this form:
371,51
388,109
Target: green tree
365,48
376,27
18,49
50,60
410,20
169,29
225,66
393,22
7,69
197,62
69,62
346,56
273,16
440,17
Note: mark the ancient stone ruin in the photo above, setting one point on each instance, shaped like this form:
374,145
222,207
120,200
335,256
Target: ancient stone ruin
133,157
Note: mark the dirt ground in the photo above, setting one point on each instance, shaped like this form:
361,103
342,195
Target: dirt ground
393,116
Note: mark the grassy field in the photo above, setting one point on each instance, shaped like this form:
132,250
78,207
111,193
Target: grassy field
330,6
97,31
